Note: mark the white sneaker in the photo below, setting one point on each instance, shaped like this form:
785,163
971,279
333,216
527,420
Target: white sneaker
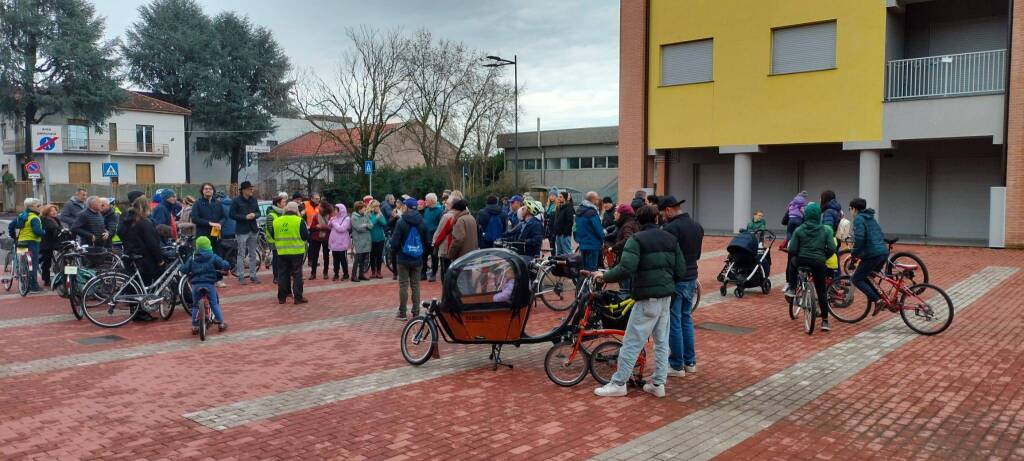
691,368
657,391
676,373
611,390
221,284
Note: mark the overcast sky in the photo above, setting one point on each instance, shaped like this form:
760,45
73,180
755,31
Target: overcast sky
568,49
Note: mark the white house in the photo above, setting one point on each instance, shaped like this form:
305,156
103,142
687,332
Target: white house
145,137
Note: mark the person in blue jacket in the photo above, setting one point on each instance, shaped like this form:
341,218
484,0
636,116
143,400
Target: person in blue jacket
530,230
202,271
28,231
589,234
868,245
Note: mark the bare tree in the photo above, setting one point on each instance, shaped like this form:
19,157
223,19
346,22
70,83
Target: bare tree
369,89
486,111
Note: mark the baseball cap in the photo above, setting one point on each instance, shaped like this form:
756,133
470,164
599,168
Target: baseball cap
245,185
411,202
516,198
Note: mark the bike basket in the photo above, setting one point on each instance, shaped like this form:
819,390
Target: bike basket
6,243
568,265
614,307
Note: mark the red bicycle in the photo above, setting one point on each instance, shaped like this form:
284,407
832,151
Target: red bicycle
571,357
924,307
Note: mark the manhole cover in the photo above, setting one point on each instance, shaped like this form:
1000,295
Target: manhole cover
723,328
99,340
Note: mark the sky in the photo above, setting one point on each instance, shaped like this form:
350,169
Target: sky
568,50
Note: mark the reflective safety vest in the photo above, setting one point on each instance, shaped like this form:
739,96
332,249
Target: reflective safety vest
271,216
117,238
27,234
288,236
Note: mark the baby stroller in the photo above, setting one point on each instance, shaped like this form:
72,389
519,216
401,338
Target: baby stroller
749,263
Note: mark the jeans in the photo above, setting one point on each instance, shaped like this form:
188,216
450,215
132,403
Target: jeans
211,295
791,227
316,248
680,336
376,256
591,258
289,277
33,247
408,277
246,246
340,262
359,264
818,273
649,317
861,275
563,245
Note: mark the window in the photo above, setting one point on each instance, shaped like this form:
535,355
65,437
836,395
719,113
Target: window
804,48
112,135
574,163
553,163
79,173
586,162
144,138
684,63
145,174
202,144
271,143
613,162
78,135
600,162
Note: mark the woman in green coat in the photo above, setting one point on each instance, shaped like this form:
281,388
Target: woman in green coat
362,241
377,239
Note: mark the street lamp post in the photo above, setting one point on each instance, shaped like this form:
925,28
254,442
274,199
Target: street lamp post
499,62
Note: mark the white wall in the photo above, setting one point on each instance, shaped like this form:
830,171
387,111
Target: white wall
207,169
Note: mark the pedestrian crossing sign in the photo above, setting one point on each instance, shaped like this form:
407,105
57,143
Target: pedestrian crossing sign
110,170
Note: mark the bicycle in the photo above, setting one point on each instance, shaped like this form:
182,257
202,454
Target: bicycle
805,300
206,314
849,263
112,299
7,277
557,292
914,301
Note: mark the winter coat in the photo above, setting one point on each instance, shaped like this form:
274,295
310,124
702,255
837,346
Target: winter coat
483,220
627,226
386,209
318,233
361,226
229,226
463,235
202,267
432,217
608,219
812,240
755,226
690,236
653,260
70,212
832,214
205,212
377,234
589,233
240,207
140,238
531,233
89,227
340,238
51,229
162,215
442,242
410,220
563,220
796,205
868,238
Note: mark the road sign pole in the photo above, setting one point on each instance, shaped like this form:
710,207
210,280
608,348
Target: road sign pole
371,185
46,176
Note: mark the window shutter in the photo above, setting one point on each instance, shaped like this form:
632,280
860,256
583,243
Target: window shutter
804,48
689,62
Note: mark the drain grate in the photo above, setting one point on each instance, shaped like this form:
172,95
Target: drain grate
99,340
724,328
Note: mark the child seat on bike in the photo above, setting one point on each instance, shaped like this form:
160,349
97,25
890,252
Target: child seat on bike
486,297
614,308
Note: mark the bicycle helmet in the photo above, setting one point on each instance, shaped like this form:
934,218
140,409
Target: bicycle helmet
534,207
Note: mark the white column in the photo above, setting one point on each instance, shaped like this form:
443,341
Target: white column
740,190
870,173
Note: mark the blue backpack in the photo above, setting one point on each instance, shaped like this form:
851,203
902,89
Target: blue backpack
413,246
494,228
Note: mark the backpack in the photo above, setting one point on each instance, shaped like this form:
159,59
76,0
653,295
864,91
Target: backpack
413,246
494,228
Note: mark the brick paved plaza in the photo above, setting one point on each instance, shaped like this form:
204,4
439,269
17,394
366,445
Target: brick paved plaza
326,380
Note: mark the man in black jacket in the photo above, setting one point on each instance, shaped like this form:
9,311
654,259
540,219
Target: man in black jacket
245,209
565,216
90,225
690,235
483,223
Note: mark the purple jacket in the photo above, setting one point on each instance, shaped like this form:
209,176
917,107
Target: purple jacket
340,239
796,206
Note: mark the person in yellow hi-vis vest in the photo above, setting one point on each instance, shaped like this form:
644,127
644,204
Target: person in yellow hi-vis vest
29,229
289,234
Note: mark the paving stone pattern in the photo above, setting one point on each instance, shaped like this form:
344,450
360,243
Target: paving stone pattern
711,431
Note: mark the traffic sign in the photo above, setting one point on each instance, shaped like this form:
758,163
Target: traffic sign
110,170
47,139
368,167
33,167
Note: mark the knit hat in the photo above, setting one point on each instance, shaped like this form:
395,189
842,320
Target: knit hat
367,199
134,195
292,206
625,208
516,198
636,203
411,202
166,194
203,244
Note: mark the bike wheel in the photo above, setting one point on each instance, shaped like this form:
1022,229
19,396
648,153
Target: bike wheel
560,370
24,262
185,294
110,300
204,319
810,305
696,297
419,339
920,276
604,361
840,301
167,305
388,261
846,261
794,308
8,279
558,293
74,297
926,309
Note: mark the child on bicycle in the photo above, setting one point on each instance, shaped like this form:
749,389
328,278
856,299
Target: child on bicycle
812,244
203,269
870,247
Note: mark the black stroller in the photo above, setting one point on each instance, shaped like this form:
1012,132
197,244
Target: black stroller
749,263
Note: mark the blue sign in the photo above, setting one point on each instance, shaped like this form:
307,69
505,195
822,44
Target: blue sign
33,167
110,170
368,167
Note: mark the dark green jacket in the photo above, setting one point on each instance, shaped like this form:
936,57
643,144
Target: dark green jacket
653,259
812,240
868,238
754,226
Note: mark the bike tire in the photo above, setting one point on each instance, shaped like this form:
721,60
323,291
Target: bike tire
933,299
389,262
167,307
810,305
904,256
604,362
24,263
557,293
562,373
99,297
185,294
73,297
204,319
419,330
845,258
794,308
845,311
8,280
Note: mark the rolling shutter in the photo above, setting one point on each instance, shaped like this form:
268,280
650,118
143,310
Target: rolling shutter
804,48
689,62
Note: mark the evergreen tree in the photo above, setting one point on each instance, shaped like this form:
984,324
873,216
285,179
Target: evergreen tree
52,60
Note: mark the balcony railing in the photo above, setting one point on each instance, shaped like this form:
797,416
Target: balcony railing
961,74
97,146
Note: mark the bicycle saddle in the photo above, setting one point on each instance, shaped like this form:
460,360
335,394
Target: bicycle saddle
905,266
891,241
